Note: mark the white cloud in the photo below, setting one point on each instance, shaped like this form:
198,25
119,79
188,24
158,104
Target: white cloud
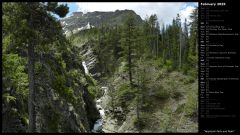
185,13
165,11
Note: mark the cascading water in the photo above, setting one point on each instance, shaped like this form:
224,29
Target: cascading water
98,125
85,67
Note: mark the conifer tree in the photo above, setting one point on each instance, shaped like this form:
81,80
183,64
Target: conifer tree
128,43
36,26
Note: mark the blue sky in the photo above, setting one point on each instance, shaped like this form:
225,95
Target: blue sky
165,11
73,7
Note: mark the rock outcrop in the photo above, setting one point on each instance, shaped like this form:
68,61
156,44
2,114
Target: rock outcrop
79,21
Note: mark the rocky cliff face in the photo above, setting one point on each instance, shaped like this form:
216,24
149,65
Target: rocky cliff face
61,116
79,21
90,60
56,113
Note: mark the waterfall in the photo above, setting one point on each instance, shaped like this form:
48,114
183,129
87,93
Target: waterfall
85,67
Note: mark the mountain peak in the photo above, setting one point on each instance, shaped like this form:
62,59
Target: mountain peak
79,20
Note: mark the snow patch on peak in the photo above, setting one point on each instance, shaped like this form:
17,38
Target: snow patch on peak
88,26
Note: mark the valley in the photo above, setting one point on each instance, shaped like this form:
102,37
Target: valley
97,72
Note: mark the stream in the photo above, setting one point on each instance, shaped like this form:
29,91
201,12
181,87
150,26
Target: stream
85,67
101,104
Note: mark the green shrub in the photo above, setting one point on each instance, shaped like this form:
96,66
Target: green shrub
123,68
166,119
185,69
191,104
146,105
173,89
180,108
159,62
14,75
7,98
189,79
91,80
92,91
142,121
162,93
74,73
193,73
124,95
67,93
176,94
24,118
125,91
169,65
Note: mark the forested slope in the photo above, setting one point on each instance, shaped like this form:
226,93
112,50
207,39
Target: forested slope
135,77
44,87
150,73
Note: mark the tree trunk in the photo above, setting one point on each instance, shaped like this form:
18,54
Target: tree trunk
163,50
138,119
180,47
130,64
157,45
138,93
196,51
31,96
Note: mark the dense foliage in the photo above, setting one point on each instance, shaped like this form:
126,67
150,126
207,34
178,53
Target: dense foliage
41,71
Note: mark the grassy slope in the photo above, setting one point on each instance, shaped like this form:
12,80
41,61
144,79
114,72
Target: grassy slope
170,102
176,113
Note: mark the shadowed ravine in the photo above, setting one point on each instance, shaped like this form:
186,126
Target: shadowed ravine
101,105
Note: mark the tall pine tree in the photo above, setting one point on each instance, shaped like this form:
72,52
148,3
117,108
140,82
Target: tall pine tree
36,25
128,43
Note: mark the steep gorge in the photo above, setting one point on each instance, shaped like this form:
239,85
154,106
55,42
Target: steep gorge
168,96
110,72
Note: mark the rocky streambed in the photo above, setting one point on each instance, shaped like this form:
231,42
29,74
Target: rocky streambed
101,104
113,120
